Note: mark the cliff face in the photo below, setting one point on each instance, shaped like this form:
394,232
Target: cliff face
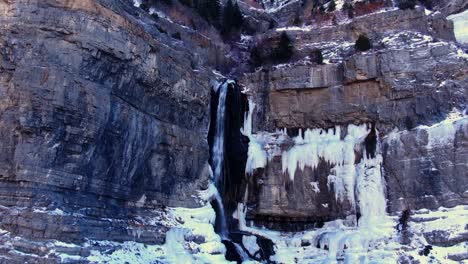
102,116
413,76
407,94
105,116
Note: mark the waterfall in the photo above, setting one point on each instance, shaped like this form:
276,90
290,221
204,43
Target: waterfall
218,164
222,217
241,252
218,146
218,154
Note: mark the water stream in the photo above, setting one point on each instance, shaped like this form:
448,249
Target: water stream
218,153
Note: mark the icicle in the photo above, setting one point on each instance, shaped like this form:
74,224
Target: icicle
247,129
370,190
325,144
256,156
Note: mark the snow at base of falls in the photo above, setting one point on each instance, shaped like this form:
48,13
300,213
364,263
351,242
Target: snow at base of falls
186,223
341,241
336,240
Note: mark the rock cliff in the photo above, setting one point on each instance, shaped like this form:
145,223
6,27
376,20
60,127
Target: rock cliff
103,118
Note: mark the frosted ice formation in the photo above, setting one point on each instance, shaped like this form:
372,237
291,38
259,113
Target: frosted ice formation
328,145
256,156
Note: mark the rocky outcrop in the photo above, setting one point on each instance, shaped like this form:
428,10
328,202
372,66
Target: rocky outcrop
366,87
101,115
425,166
447,7
373,25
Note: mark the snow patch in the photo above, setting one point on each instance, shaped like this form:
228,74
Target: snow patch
439,134
137,3
460,22
443,133
250,243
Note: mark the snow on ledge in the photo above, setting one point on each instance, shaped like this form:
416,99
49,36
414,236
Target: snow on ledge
439,134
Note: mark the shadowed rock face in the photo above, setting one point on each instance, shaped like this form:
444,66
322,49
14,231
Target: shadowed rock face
98,113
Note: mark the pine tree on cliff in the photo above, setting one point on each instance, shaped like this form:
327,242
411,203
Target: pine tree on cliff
256,58
232,17
316,56
187,2
284,50
363,43
210,10
406,4
427,4
331,6
349,9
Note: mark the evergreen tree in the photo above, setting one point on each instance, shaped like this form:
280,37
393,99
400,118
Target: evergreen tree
187,2
406,4
349,9
144,5
256,58
210,10
427,4
232,17
297,20
284,50
331,6
363,43
316,56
